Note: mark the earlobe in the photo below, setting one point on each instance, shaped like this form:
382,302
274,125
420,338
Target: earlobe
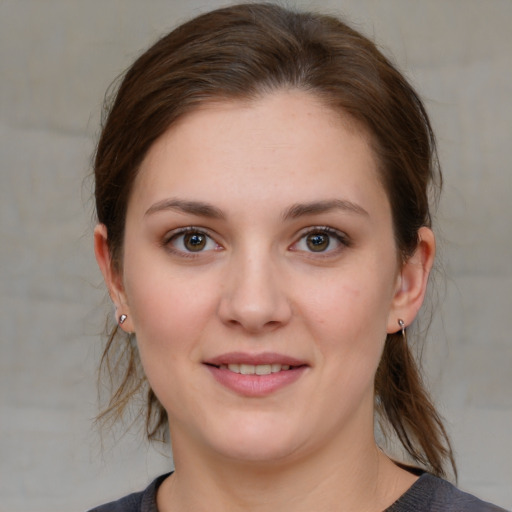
412,281
112,278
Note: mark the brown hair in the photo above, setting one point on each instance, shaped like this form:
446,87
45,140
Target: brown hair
243,52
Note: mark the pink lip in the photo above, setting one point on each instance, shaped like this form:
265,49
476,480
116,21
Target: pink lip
255,385
263,358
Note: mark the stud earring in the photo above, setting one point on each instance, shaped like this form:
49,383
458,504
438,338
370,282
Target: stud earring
401,323
122,319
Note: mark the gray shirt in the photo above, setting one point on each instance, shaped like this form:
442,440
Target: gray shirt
427,494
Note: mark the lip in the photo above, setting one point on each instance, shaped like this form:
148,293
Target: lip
247,358
255,385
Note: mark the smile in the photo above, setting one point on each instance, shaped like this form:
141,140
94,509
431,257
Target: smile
255,369
256,375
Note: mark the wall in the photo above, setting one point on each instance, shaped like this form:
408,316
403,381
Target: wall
56,59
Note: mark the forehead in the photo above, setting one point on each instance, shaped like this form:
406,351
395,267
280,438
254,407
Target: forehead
287,140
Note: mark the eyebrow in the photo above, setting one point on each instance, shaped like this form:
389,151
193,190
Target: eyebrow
295,211
317,207
198,208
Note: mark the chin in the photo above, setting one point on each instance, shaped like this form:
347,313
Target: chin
258,443
260,454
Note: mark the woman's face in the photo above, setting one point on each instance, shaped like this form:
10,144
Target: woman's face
260,275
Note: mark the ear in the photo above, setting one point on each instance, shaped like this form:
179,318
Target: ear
111,275
412,281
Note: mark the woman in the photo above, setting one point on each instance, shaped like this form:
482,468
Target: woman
264,232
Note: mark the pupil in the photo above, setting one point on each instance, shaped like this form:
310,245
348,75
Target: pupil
195,241
318,242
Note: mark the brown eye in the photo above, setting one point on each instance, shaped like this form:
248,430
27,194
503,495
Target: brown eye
189,241
194,242
317,242
322,240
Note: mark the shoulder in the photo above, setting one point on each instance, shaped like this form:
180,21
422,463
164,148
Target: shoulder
432,494
130,503
144,501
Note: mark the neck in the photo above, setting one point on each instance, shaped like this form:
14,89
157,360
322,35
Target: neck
343,478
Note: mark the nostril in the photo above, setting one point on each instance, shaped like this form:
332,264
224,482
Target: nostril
255,303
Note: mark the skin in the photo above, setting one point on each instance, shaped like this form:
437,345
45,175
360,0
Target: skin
258,287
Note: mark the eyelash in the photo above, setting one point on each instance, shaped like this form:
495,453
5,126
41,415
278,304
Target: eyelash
339,236
174,235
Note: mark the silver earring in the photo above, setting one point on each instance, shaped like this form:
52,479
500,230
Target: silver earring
122,319
401,323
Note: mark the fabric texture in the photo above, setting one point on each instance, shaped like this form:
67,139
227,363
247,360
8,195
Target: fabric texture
427,494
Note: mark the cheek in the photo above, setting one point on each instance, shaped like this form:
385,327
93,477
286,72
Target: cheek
348,317
169,319
349,306
169,311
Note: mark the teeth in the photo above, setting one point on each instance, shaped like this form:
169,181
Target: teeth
247,369
258,369
263,369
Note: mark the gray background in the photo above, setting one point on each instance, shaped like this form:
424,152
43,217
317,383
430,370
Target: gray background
56,60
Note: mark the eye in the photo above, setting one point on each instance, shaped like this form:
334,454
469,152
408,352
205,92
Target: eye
318,242
321,240
191,240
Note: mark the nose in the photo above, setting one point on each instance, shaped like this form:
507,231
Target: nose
254,295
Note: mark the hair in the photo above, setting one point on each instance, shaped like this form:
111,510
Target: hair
243,52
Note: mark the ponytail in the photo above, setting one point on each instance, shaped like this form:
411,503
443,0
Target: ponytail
404,403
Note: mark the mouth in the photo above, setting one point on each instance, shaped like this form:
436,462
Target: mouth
255,364
256,375
255,369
